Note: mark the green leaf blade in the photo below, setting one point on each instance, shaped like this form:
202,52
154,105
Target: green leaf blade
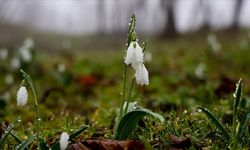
243,125
216,122
24,144
129,121
237,95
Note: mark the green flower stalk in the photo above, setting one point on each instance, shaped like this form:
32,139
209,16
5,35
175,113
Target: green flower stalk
28,82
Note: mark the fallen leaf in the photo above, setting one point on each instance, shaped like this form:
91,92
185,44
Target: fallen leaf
179,142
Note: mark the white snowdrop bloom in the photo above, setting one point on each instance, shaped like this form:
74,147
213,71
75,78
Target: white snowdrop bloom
15,63
141,75
3,53
148,56
64,140
22,96
213,42
61,68
25,54
199,70
28,43
134,55
9,79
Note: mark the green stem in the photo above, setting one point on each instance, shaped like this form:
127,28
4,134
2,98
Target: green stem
124,89
130,91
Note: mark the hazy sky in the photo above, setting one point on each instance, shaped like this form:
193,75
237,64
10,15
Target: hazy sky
81,16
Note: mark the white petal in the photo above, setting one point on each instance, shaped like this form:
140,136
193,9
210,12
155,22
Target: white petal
64,141
141,75
129,54
134,55
22,96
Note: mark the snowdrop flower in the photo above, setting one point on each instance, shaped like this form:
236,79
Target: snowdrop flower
3,53
213,42
9,79
22,96
28,43
141,75
25,54
134,55
15,63
64,141
199,70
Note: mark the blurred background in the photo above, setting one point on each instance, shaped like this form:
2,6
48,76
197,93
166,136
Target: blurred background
162,18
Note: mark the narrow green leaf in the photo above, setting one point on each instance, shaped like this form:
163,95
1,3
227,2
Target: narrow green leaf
24,144
129,121
216,122
77,132
5,136
16,137
55,146
243,126
43,145
237,95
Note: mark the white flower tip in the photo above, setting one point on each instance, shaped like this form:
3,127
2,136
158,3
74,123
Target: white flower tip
141,75
64,140
22,96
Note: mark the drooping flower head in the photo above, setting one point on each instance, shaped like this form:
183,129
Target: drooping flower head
22,96
134,55
15,63
64,140
3,53
141,75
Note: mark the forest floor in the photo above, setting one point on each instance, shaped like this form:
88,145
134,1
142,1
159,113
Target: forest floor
78,87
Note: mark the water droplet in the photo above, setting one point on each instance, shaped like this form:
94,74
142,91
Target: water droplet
129,24
199,110
121,93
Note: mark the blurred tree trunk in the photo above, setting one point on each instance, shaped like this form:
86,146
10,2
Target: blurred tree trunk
235,24
205,9
170,25
101,17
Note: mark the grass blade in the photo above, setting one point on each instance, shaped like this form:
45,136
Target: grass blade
237,95
43,145
16,137
24,145
243,125
77,132
5,136
216,122
129,121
